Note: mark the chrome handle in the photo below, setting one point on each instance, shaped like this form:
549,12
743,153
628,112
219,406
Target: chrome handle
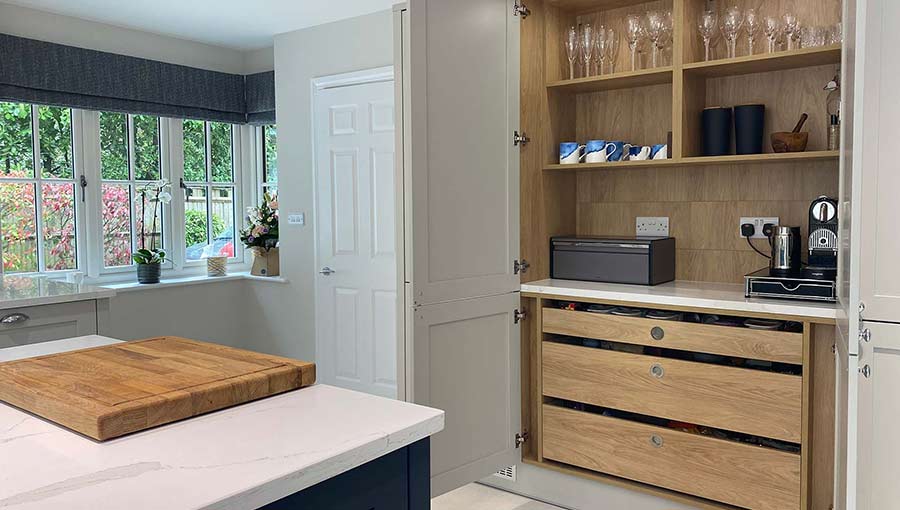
656,370
656,441
866,371
327,271
657,333
14,318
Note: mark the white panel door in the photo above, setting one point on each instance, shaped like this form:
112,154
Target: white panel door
466,362
879,249
356,288
879,416
464,170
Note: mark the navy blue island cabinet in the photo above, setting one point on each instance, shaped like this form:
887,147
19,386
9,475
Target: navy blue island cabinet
397,481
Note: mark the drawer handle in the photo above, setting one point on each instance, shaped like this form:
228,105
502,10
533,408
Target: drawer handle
656,441
656,370
14,318
657,333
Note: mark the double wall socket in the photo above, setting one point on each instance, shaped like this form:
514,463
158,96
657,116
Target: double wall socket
652,226
758,223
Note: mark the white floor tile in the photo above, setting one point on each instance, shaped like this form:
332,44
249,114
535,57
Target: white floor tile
481,497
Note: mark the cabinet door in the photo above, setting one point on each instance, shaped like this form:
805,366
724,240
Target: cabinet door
878,461
34,324
466,362
463,168
876,142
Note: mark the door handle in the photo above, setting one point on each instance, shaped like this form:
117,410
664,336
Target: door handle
327,271
14,318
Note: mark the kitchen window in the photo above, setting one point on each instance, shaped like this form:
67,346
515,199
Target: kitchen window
209,186
39,212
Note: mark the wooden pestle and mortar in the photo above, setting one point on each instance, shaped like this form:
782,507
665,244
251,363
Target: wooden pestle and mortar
793,141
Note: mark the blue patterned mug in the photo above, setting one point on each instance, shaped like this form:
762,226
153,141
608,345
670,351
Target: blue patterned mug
638,152
596,151
570,153
659,151
615,151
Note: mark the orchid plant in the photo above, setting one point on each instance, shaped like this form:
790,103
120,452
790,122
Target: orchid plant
262,224
155,192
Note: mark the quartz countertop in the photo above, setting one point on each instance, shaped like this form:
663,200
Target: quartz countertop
21,291
243,457
719,296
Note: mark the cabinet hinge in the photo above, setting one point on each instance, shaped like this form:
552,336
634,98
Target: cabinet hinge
521,437
520,9
518,315
520,267
520,139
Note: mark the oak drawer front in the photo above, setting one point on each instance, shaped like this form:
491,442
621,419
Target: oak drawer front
778,346
751,401
738,474
34,324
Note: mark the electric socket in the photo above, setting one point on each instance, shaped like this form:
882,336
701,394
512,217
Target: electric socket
652,226
758,223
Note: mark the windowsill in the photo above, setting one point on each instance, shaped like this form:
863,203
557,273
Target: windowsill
191,280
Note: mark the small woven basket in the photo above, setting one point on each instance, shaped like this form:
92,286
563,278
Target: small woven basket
215,266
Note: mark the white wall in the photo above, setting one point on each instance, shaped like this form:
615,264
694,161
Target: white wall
286,313
44,26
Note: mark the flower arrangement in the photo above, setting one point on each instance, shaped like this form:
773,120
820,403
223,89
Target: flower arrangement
156,192
262,221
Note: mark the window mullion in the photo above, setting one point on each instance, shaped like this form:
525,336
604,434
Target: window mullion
93,194
175,157
38,191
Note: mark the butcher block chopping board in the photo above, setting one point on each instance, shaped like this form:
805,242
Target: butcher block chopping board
110,391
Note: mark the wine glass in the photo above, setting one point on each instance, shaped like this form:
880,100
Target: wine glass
656,27
707,26
752,22
772,30
791,29
732,21
600,48
612,49
666,38
634,35
587,47
571,43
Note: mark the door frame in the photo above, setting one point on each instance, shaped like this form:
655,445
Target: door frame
349,79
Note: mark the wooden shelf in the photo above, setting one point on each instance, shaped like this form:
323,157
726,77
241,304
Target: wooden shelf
794,59
746,159
623,80
593,5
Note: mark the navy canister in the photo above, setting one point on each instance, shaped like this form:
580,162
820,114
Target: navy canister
749,120
717,125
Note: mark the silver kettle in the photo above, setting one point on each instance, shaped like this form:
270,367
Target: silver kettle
785,243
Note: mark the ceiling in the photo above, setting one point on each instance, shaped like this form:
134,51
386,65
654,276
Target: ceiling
237,24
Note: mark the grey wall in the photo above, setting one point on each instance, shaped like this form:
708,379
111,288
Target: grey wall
286,314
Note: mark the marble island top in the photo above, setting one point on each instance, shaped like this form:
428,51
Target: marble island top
718,296
240,458
21,291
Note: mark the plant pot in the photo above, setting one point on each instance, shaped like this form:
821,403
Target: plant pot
149,273
265,262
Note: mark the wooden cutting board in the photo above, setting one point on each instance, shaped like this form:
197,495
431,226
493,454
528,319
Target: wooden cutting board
110,391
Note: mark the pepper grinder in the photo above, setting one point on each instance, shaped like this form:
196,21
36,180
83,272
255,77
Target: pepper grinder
833,107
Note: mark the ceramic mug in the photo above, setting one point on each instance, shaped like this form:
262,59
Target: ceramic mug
617,153
570,153
596,151
638,152
659,151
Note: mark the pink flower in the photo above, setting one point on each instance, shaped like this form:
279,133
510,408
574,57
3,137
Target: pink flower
273,205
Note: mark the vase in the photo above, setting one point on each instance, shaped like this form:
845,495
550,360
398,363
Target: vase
149,273
265,262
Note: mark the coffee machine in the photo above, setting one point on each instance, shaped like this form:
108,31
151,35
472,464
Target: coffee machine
823,246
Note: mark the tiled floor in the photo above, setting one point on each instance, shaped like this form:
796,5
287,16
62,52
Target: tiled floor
481,497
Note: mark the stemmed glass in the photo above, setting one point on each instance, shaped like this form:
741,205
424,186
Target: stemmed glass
634,34
600,48
667,32
791,29
655,30
707,26
571,43
612,49
587,47
732,22
772,29
752,22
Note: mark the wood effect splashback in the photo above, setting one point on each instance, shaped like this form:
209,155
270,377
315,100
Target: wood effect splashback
704,206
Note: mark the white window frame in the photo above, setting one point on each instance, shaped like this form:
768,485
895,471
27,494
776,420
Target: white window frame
260,148
38,179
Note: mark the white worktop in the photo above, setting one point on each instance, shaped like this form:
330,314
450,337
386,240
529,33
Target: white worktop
720,296
21,291
239,458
